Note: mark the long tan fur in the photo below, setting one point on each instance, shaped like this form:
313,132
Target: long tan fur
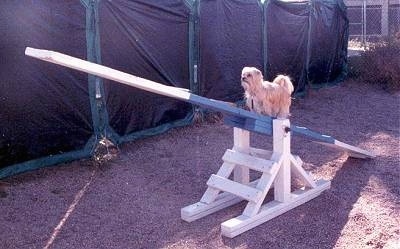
268,98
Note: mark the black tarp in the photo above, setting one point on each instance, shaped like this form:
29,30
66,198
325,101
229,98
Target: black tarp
328,43
148,39
287,26
50,114
44,108
230,38
306,40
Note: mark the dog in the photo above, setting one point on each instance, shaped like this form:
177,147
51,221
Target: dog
267,98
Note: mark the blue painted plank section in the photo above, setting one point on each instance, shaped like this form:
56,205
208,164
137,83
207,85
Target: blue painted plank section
226,108
258,129
312,134
249,121
248,124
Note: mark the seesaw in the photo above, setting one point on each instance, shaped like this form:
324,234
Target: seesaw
276,166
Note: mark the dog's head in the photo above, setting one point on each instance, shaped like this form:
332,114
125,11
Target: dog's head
251,78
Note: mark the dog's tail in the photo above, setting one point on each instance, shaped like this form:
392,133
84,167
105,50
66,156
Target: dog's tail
285,82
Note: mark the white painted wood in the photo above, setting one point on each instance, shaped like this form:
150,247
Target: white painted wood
352,151
248,161
199,209
226,169
211,193
261,153
239,189
281,145
265,184
301,174
297,160
241,143
242,223
108,73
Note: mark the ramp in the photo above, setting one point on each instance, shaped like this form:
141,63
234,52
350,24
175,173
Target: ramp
329,141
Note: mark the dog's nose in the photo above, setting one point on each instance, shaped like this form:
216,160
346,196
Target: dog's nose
243,78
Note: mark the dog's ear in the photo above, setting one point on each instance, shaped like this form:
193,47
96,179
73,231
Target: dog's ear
258,75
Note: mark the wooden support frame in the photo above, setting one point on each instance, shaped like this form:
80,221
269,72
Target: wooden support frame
277,168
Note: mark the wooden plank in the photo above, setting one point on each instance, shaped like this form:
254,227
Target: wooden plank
177,93
333,143
140,83
242,223
211,193
241,190
281,144
297,169
241,143
267,123
226,169
265,184
199,209
312,134
352,151
265,154
254,163
244,123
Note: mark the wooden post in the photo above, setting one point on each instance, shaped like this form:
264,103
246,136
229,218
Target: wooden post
241,143
281,143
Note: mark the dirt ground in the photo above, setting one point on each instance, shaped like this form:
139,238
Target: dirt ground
134,201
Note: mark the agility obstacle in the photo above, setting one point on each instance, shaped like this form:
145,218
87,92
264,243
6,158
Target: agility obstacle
277,166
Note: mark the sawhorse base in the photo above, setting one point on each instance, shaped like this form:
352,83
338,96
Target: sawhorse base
277,168
270,210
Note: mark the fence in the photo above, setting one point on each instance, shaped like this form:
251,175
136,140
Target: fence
372,20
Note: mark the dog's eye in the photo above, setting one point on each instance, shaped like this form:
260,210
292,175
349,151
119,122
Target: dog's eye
248,75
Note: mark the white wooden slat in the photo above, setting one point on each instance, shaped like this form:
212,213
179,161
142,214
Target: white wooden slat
265,154
251,162
200,209
265,184
298,171
211,193
108,73
351,150
243,223
241,143
241,190
281,145
226,169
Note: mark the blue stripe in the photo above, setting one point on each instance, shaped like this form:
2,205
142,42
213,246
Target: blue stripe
308,133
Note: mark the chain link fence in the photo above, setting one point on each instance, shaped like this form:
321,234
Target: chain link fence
374,42
372,20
